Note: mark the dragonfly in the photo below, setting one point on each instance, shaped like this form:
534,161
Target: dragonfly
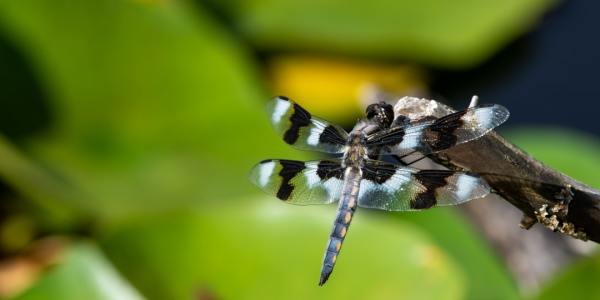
360,177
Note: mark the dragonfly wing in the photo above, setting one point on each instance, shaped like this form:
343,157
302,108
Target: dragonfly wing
429,136
304,131
298,182
397,188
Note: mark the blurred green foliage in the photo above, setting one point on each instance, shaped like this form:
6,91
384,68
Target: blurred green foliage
486,277
84,274
579,282
142,96
575,154
266,250
442,33
146,97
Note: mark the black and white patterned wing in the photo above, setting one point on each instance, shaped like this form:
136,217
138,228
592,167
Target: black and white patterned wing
304,131
429,136
298,182
397,188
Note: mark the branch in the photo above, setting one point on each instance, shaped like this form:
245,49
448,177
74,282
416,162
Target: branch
543,194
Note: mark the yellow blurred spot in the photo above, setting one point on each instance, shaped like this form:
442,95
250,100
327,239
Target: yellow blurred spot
335,89
343,232
337,248
430,257
16,275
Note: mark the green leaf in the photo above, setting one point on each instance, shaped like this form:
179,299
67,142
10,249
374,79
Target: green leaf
270,250
444,33
578,282
153,105
571,152
485,275
83,274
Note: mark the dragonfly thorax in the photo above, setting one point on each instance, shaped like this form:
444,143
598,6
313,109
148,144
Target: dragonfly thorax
356,152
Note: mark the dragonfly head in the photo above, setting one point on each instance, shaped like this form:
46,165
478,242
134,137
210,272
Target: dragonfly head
381,114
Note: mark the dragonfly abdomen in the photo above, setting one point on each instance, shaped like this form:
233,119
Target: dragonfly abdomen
345,212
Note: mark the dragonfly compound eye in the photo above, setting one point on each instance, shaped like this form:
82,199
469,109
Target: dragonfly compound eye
380,113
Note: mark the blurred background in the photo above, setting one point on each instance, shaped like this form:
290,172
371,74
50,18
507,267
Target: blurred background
127,129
